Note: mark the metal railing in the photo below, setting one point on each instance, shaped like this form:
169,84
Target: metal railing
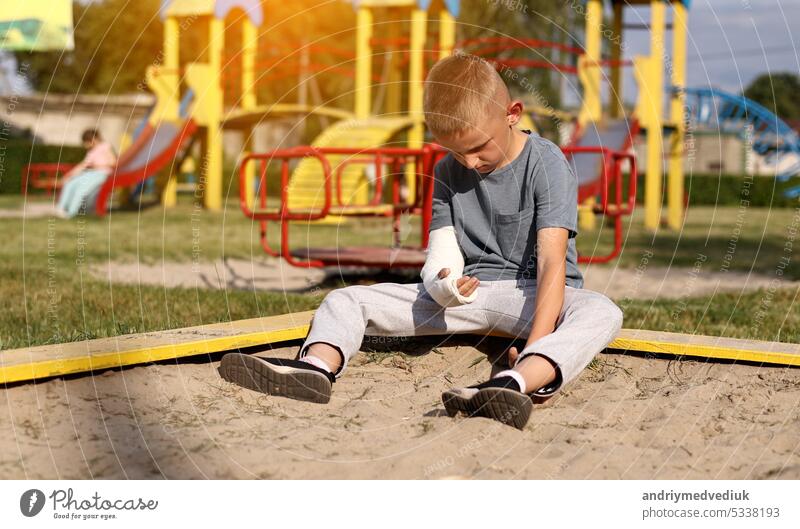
423,159
396,158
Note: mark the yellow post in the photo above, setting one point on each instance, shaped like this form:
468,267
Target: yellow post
416,133
169,193
654,101
249,44
171,65
249,47
363,94
616,110
590,76
675,169
447,33
212,101
250,168
394,90
589,71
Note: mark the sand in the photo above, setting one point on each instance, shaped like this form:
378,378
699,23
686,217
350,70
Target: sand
632,417
267,273
627,417
264,273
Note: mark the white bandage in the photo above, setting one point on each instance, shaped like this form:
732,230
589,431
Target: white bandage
444,252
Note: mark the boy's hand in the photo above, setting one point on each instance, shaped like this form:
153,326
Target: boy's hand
512,356
466,285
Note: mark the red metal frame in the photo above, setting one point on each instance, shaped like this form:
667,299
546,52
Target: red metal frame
593,188
376,198
395,156
46,176
425,159
497,44
611,173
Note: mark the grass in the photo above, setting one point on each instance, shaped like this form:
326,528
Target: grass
763,314
50,296
729,239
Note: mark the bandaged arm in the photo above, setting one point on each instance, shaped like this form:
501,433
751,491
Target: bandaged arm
444,252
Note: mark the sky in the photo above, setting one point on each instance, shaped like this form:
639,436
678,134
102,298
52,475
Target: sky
732,41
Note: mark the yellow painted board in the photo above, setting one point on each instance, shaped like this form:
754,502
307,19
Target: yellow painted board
103,353
79,357
672,343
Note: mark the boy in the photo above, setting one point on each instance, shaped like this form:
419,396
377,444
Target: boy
501,259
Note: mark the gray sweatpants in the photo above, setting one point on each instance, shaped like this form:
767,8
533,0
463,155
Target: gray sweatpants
588,321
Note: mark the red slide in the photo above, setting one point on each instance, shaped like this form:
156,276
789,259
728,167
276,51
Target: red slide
152,150
596,155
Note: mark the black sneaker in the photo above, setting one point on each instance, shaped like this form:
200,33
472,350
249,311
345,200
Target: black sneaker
497,398
282,377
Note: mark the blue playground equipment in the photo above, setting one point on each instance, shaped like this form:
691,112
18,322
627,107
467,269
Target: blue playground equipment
770,135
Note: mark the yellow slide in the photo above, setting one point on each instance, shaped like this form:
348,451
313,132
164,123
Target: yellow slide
306,183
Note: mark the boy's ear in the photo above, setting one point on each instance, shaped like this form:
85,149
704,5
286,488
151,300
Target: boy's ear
514,112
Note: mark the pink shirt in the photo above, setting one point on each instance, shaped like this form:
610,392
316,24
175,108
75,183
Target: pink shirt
101,156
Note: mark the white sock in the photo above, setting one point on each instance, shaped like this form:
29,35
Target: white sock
316,361
515,375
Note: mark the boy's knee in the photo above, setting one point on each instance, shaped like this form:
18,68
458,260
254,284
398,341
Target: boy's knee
616,316
352,293
345,300
340,294
606,311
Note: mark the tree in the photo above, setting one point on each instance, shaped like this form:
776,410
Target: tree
528,19
778,92
115,40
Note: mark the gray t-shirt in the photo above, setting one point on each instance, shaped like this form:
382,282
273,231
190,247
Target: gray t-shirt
496,215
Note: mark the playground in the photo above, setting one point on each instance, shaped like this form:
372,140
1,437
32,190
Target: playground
118,317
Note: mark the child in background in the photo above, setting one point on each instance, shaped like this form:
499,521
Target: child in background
83,181
501,260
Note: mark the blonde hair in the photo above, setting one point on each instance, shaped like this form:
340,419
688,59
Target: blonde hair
460,92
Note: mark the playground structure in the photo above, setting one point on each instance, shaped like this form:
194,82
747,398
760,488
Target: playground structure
241,59
766,133
163,137
597,153
364,128
188,103
649,75
227,88
226,95
226,91
592,157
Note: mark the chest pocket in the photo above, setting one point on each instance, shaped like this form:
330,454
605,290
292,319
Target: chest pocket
516,237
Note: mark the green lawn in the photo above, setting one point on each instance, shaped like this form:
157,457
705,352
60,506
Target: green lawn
50,297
